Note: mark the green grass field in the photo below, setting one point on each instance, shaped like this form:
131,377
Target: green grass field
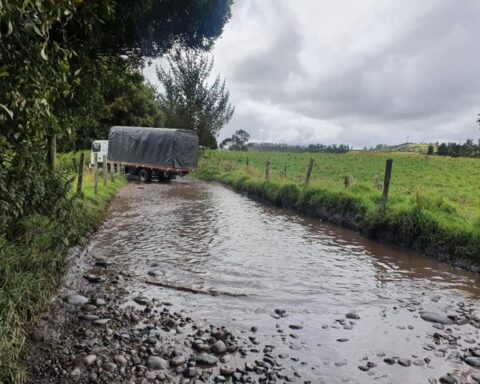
31,265
433,206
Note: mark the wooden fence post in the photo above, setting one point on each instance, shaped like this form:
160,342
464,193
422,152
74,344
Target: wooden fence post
80,174
247,162
112,172
267,170
104,164
309,172
386,182
95,180
285,170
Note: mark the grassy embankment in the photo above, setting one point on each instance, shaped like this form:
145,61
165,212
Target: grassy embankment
433,206
31,266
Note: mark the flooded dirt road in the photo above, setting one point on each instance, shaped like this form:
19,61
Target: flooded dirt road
334,307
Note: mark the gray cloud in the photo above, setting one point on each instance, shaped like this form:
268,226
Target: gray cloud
355,71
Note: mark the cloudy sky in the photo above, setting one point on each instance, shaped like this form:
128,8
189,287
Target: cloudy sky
359,72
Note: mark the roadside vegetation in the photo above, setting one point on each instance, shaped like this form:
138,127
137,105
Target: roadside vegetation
68,71
433,205
33,259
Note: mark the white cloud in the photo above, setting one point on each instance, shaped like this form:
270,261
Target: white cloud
359,72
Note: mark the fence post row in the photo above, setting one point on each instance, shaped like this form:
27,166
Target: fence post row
309,172
80,174
386,182
95,180
267,170
104,165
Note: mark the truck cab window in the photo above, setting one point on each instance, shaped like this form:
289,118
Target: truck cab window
96,147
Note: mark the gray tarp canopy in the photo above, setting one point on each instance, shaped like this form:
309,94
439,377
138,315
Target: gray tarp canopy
161,147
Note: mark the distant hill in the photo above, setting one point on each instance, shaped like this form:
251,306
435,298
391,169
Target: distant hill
405,147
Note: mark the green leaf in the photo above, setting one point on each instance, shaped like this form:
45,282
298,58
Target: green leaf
10,29
38,31
9,112
43,54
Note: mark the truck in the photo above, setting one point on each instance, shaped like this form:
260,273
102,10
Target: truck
100,148
160,153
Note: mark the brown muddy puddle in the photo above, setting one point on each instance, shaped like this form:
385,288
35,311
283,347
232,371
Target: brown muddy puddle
199,236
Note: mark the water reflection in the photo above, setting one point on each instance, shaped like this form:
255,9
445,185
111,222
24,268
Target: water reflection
201,235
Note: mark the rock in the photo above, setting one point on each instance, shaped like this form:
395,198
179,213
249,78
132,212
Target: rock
220,379
436,318
404,362
99,302
109,367
101,321
226,370
89,317
363,368
448,379
177,360
225,358
76,300
342,340
102,263
141,300
85,361
389,360
254,329
352,315
206,359
190,372
476,376
156,362
94,279
120,360
219,347
419,363
295,326
473,361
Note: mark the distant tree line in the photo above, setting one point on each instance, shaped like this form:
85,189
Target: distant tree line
313,148
467,149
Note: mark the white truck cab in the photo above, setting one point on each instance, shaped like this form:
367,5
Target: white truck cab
100,147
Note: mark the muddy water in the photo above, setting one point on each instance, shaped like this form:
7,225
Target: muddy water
205,237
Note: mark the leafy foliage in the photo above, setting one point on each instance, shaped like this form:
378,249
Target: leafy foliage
68,69
468,149
189,101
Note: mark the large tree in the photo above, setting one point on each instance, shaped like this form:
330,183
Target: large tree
56,64
238,141
190,99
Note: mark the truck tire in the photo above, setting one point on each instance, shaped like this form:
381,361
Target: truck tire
145,175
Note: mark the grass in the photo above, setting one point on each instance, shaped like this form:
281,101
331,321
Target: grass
433,205
32,264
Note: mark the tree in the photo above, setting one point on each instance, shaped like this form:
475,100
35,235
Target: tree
189,100
430,150
56,64
238,141
147,28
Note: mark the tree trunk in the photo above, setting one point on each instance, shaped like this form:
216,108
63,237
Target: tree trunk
51,152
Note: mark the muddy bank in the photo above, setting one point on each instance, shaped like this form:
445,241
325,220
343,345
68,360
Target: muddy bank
191,280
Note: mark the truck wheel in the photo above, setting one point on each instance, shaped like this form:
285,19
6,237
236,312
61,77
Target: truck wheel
145,175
